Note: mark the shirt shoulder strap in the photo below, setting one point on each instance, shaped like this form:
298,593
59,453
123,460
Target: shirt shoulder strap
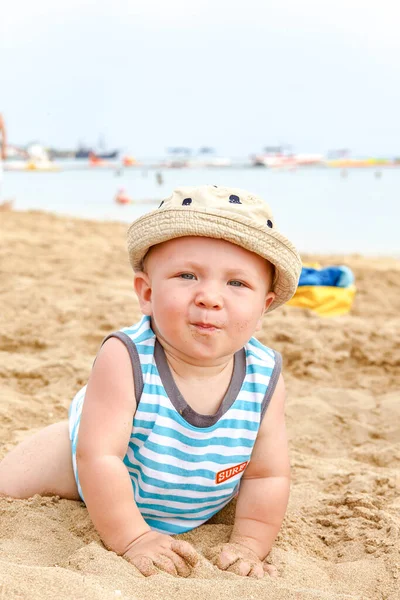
135,361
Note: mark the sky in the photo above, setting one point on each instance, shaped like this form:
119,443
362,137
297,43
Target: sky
235,75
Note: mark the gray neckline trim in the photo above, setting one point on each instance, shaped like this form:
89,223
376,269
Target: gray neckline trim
191,416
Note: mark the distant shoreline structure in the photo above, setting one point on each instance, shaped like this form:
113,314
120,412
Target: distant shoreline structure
37,157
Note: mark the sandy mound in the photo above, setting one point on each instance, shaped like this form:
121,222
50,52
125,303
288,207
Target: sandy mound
66,284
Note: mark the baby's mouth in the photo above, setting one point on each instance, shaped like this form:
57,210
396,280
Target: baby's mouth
205,327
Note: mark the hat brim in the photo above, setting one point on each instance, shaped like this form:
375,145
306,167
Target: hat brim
167,224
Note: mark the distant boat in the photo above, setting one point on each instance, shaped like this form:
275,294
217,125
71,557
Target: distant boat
107,155
279,157
83,152
38,160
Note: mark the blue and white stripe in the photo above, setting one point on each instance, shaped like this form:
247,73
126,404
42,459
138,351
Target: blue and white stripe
173,464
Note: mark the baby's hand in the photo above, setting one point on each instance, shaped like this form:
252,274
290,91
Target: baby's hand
153,552
240,560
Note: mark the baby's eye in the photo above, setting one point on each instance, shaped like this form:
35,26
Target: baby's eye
236,283
186,276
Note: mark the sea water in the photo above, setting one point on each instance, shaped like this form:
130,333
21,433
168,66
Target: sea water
321,210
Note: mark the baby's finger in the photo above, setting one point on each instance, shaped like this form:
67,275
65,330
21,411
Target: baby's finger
240,567
225,559
144,564
182,568
165,563
186,551
270,569
257,571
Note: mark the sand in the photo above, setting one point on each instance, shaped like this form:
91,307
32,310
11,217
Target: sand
65,284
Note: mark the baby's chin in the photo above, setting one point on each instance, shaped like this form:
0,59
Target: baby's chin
205,353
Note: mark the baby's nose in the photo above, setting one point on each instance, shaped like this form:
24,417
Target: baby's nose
209,296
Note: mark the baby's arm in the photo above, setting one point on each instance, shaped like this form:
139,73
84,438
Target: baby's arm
104,434
263,496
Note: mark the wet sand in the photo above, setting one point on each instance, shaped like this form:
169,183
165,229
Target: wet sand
66,283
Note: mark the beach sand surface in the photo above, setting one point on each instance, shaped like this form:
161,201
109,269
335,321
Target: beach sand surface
65,284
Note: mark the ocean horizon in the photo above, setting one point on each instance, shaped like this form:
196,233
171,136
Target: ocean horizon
322,210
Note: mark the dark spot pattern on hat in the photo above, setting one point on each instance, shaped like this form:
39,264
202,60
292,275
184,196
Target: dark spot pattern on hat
234,199
162,202
269,223
187,202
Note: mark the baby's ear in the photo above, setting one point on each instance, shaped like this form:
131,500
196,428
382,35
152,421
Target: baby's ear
270,297
142,287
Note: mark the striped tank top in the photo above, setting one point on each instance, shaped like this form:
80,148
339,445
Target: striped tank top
185,466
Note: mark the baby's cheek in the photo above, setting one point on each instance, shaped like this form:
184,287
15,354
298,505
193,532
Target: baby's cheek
168,305
243,325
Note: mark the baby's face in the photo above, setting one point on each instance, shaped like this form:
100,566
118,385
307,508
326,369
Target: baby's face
206,296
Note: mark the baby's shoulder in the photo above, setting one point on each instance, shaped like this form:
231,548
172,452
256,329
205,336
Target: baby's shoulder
139,332
254,348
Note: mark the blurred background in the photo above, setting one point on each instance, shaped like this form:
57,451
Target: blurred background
108,106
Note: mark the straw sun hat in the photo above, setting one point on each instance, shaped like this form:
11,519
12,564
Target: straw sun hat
224,213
